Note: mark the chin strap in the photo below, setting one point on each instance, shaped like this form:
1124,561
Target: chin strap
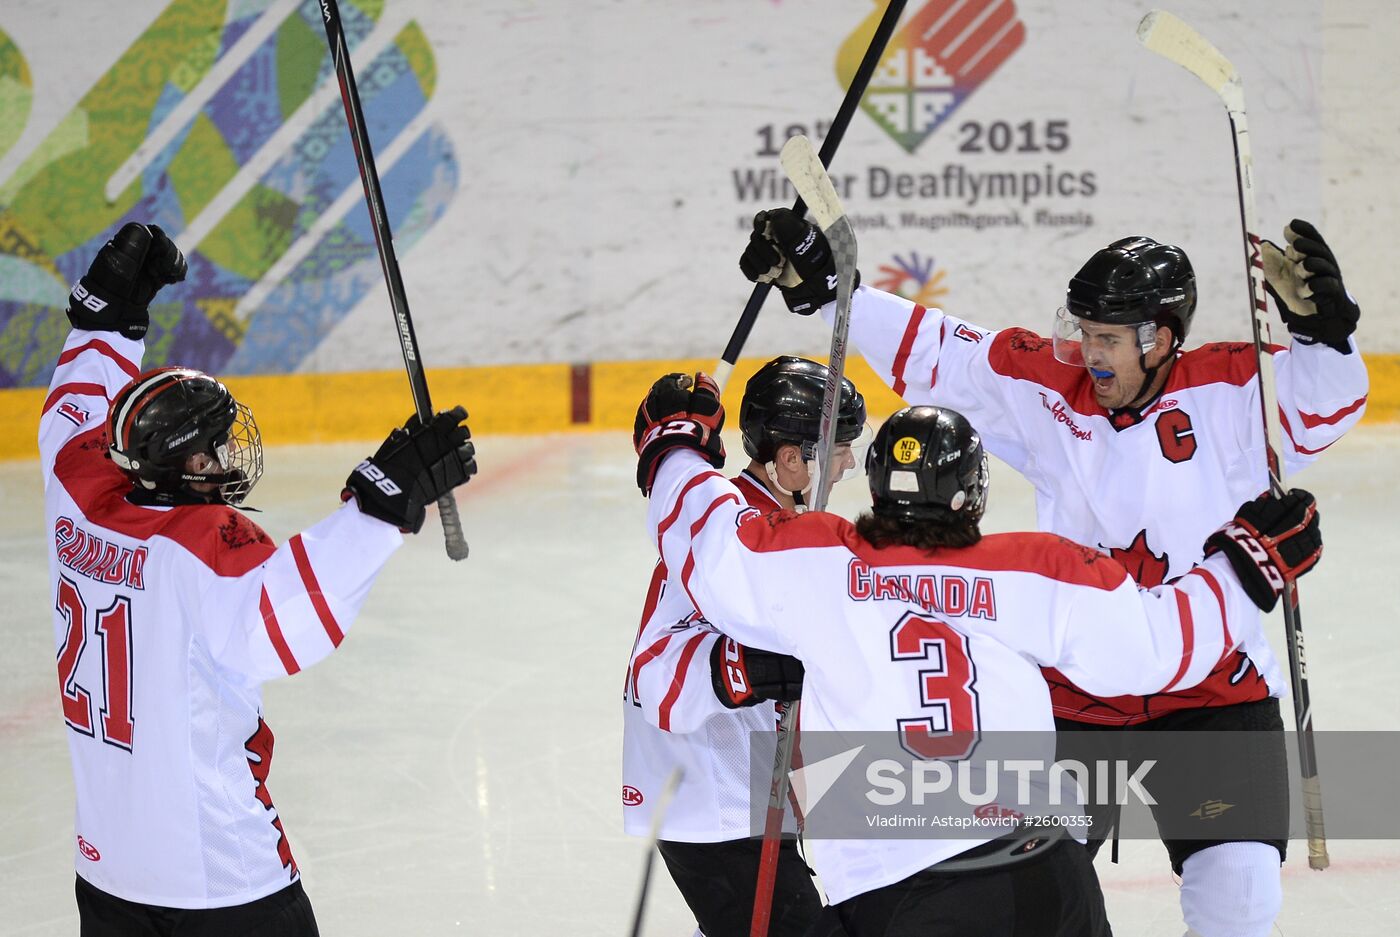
799,503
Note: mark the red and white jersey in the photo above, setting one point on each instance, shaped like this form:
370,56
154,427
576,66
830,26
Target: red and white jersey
1146,489
166,620
672,718
899,639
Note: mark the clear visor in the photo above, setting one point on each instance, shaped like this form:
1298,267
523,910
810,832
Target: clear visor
1069,338
851,456
848,458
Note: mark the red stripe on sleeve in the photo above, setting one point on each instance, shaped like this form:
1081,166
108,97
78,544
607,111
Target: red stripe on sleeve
274,634
906,345
678,681
1188,637
1220,600
695,528
1311,419
942,333
313,590
670,519
647,657
102,348
78,388
1288,431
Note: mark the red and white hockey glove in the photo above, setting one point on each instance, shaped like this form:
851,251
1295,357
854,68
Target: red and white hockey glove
1270,542
743,676
678,411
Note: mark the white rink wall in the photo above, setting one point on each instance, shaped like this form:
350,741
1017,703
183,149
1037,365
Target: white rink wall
598,214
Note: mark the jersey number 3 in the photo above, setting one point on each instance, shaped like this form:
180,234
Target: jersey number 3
113,628
946,689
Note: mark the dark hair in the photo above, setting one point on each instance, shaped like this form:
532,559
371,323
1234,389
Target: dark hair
924,535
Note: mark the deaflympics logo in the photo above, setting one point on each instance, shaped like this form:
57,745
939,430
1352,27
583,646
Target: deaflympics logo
914,278
933,64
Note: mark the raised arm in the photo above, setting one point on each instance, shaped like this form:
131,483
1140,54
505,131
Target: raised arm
924,355
272,613
108,311
1322,380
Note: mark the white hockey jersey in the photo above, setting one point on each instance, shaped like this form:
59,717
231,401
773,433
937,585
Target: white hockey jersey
865,623
1145,488
671,717
166,621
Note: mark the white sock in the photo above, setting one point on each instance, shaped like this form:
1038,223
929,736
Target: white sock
1231,890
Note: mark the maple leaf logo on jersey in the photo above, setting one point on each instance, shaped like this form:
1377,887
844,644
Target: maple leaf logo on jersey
238,531
1147,568
932,65
1028,342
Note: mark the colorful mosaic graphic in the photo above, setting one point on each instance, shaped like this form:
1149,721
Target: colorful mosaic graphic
932,64
914,278
242,184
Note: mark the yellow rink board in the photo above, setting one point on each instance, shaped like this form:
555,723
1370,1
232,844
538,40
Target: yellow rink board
517,398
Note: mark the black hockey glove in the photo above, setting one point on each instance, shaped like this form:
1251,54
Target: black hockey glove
1271,541
788,250
744,676
1307,288
414,467
678,411
124,277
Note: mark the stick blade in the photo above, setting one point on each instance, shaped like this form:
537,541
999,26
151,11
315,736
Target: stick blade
1171,38
804,167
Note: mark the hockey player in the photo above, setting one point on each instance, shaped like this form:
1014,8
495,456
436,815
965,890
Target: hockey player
694,697
1119,429
866,635
171,608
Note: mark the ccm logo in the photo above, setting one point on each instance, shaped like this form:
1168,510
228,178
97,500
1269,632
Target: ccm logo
1257,553
672,428
88,850
631,797
375,474
87,299
734,668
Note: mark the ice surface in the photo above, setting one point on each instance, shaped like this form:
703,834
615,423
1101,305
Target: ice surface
454,767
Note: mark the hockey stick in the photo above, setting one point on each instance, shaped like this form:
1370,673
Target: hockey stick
808,174
384,240
1163,33
658,815
854,93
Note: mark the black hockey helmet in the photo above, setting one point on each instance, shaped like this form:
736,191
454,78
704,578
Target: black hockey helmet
1133,281
783,404
167,415
927,464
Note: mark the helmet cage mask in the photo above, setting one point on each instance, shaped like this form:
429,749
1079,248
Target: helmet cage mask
154,443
